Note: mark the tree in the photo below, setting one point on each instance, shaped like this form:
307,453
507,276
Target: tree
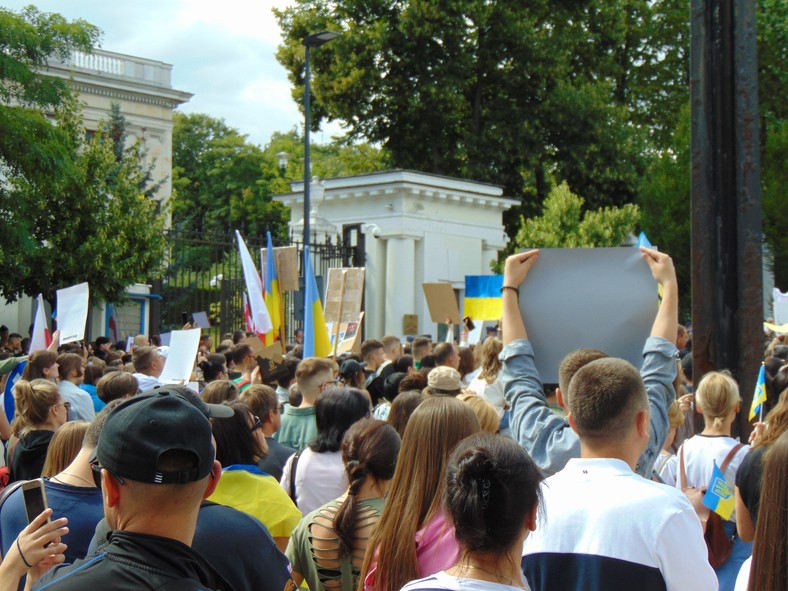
92,225
505,92
564,224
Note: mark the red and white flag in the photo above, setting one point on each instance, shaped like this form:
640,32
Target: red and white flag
42,338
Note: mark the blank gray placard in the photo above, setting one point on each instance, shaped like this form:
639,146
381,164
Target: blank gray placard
602,298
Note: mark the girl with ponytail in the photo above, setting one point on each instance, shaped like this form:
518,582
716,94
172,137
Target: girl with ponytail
491,498
328,546
717,398
40,411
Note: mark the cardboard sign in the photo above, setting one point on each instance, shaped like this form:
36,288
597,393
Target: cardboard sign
350,342
181,356
410,324
286,266
599,298
442,302
201,320
344,294
72,312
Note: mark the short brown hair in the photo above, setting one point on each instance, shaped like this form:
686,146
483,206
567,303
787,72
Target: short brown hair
389,341
573,362
261,399
116,385
604,397
420,344
68,362
311,367
143,357
443,352
369,346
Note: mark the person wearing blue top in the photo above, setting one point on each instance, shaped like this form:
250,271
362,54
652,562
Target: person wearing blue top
547,437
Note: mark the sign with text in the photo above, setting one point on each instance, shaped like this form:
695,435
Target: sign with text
344,294
72,312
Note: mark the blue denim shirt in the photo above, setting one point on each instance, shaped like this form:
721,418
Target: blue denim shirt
548,438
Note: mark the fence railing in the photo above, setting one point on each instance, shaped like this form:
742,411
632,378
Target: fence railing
203,273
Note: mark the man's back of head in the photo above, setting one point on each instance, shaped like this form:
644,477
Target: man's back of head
313,375
147,361
420,348
447,354
392,347
372,353
605,396
243,356
573,362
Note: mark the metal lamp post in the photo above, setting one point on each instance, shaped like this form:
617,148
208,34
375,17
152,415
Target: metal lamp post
315,40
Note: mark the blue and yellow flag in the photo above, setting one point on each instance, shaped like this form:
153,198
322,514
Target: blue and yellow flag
483,297
719,496
272,295
316,342
759,397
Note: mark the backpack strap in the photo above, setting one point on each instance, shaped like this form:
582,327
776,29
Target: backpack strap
731,454
293,467
682,473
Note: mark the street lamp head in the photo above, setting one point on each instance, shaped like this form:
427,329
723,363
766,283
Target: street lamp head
318,39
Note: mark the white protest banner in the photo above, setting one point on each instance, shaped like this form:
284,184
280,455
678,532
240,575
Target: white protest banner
72,312
599,298
201,320
181,356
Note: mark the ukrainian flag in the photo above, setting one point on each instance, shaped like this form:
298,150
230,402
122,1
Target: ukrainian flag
272,295
483,297
760,393
719,496
316,342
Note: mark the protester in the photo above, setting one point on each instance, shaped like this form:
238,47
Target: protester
767,570
71,368
749,476
718,399
94,371
64,447
548,438
487,383
40,411
351,373
117,385
484,411
38,547
264,403
214,367
41,365
402,408
663,468
244,361
491,498
239,446
605,527
413,508
328,546
444,381
148,365
469,367
220,391
316,475
313,376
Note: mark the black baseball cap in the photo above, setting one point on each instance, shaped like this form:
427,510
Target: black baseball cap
351,367
141,429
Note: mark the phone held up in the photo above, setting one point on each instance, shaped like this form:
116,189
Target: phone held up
35,498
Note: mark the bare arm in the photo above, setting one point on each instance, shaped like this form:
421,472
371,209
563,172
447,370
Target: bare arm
667,320
744,524
514,273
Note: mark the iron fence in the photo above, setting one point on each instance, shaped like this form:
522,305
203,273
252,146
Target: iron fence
203,272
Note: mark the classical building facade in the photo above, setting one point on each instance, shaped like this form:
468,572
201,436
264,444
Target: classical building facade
415,228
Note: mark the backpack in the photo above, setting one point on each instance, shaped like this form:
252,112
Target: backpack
718,542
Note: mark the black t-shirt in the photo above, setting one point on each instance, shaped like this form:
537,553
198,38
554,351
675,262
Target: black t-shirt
748,479
274,462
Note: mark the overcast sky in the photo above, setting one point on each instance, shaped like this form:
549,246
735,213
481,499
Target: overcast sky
221,51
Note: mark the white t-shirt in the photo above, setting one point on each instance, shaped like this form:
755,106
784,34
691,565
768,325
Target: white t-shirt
700,453
320,478
493,393
744,576
441,580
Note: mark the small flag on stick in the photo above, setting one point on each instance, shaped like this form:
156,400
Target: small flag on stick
759,397
719,496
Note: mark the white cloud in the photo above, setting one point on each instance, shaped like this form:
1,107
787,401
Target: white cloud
223,52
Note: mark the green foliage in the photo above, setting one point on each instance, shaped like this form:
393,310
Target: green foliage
513,93
775,211
564,224
92,225
223,183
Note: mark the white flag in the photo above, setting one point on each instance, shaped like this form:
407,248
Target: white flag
254,287
41,336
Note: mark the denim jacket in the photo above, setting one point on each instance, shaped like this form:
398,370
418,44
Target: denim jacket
548,438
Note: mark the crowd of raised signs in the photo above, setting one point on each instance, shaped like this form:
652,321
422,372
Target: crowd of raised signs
410,465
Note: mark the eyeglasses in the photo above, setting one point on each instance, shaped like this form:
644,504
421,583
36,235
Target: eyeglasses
65,404
96,468
282,408
258,424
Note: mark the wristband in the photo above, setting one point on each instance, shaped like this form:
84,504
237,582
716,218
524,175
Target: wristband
514,289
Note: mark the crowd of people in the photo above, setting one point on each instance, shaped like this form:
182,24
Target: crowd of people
407,466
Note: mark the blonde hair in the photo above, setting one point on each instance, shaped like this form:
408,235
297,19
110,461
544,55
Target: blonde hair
675,415
717,395
33,403
490,363
64,447
485,412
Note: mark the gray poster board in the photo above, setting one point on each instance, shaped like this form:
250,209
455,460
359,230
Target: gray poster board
601,298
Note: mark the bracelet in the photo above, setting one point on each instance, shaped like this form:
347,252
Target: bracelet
514,289
19,548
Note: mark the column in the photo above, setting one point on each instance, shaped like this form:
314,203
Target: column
400,283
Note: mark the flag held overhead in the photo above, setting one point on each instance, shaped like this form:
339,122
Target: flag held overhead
261,321
483,297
